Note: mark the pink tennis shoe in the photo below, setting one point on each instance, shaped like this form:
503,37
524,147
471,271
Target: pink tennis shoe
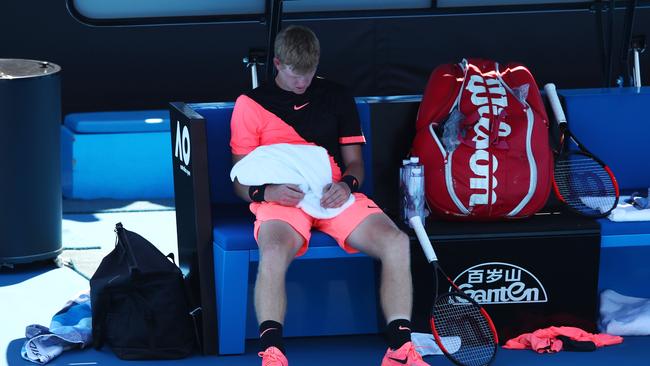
404,356
272,356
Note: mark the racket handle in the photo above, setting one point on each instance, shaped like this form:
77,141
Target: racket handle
423,238
551,93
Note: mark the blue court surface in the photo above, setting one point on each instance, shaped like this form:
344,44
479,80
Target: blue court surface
32,294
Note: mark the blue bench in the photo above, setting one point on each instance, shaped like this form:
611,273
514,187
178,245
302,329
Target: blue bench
120,155
329,291
612,123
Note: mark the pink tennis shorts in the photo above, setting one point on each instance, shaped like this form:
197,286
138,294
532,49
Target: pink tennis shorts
339,227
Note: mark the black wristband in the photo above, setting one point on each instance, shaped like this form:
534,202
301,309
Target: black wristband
352,182
256,193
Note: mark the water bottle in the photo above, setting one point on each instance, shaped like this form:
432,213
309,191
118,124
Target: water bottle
412,189
403,190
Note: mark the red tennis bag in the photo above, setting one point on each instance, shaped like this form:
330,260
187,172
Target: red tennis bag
482,136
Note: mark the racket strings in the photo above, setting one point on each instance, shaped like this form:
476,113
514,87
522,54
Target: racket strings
466,333
585,185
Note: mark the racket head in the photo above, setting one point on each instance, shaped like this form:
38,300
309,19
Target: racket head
463,330
585,183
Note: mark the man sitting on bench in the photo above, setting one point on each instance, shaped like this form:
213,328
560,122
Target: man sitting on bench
299,109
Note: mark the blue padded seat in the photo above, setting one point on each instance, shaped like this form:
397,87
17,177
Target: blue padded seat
621,234
233,234
236,234
342,292
118,155
232,229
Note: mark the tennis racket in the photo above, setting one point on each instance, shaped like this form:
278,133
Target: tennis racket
580,179
470,338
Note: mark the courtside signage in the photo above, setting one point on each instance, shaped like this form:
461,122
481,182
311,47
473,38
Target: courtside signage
501,283
182,148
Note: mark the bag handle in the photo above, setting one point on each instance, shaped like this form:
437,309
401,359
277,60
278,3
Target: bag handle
464,65
495,123
123,240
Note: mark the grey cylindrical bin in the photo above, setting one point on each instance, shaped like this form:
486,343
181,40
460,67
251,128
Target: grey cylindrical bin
30,183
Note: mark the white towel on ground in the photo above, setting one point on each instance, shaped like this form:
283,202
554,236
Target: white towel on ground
426,345
307,166
624,315
71,327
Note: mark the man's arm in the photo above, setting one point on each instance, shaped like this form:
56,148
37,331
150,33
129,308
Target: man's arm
284,194
336,194
240,189
353,160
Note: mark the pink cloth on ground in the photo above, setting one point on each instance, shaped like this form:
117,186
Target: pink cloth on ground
545,340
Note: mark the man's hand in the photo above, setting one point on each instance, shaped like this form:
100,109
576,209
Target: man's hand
335,195
284,194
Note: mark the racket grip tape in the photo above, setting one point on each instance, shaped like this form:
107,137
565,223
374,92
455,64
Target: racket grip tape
556,106
423,238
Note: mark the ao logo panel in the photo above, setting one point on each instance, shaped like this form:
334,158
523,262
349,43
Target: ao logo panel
182,147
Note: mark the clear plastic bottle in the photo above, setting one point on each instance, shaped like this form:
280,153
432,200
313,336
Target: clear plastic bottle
403,191
412,189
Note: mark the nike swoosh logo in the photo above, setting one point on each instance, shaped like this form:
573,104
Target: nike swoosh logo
299,107
402,327
377,207
403,362
266,330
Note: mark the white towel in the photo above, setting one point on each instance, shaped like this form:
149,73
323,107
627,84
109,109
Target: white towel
627,212
426,345
601,204
622,212
307,166
624,315
71,327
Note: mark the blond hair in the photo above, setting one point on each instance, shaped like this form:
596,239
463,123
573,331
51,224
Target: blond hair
297,47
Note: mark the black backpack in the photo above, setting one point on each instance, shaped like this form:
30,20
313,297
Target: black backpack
139,302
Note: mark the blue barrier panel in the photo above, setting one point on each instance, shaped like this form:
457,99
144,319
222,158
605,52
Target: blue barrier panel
120,155
612,123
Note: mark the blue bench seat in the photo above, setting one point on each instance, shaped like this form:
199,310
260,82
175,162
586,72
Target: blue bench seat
118,155
233,230
624,234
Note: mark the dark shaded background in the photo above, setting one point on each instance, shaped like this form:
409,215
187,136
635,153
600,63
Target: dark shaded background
119,68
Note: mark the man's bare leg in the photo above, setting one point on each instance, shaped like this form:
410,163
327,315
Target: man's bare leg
278,243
